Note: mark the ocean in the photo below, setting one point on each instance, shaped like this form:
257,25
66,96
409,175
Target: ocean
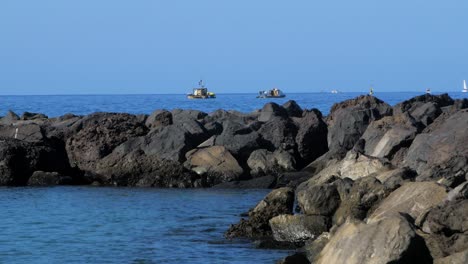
57,105
136,225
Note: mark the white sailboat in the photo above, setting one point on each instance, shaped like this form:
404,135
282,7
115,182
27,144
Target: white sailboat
465,89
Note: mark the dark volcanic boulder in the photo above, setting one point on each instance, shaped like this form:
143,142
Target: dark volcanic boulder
424,108
100,133
32,116
271,111
311,138
41,178
180,115
26,131
277,202
9,118
293,109
262,162
318,199
440,151
159,118
447,226
19,159
279,133
137,168
349,119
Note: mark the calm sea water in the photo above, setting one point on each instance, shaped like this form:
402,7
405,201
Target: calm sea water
57,105
125,225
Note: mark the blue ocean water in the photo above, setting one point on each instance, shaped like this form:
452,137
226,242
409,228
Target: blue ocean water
125,225
57,105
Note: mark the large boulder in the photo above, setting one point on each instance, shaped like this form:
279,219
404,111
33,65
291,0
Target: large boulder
271,111
262,162
41,178
424,108
99,135
159,118
136,168
217,162
356,202
321,199
447,226
19,159
349,119
442,151
279,133
298,228
457,258
23,130
391,240
292,108
9,118
277,202
412,198
386,137
311,138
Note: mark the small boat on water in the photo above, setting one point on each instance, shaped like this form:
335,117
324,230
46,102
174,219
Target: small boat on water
428,91
273,93
371,91
334,91
465,89
201,92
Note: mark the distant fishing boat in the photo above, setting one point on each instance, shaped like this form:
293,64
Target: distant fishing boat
465,89
273,93
428,91
371,91
334,91
201,92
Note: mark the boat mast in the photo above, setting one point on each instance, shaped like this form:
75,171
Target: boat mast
464,86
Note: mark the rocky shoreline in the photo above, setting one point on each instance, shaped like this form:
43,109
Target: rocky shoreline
373,183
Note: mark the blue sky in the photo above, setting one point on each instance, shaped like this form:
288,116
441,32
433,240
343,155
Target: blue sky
151,46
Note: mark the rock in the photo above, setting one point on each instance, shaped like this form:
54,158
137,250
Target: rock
136,168
159,118
318,199
182,115
355,166
32,116
9,118
262,162
296,258
311,138
393,179
412,198
270,111
298,228
19,159
349,119
384,138
174,141
457,258
99,135
446,228
437,153
313,247
239,139
41,178
460,192
279,134
220,165
425,108
277,202
390,240
292,108
265,182
23,131
361,197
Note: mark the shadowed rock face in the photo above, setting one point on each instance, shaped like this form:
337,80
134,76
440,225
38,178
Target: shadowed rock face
349,119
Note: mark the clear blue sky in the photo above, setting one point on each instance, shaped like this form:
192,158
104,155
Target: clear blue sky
152,46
